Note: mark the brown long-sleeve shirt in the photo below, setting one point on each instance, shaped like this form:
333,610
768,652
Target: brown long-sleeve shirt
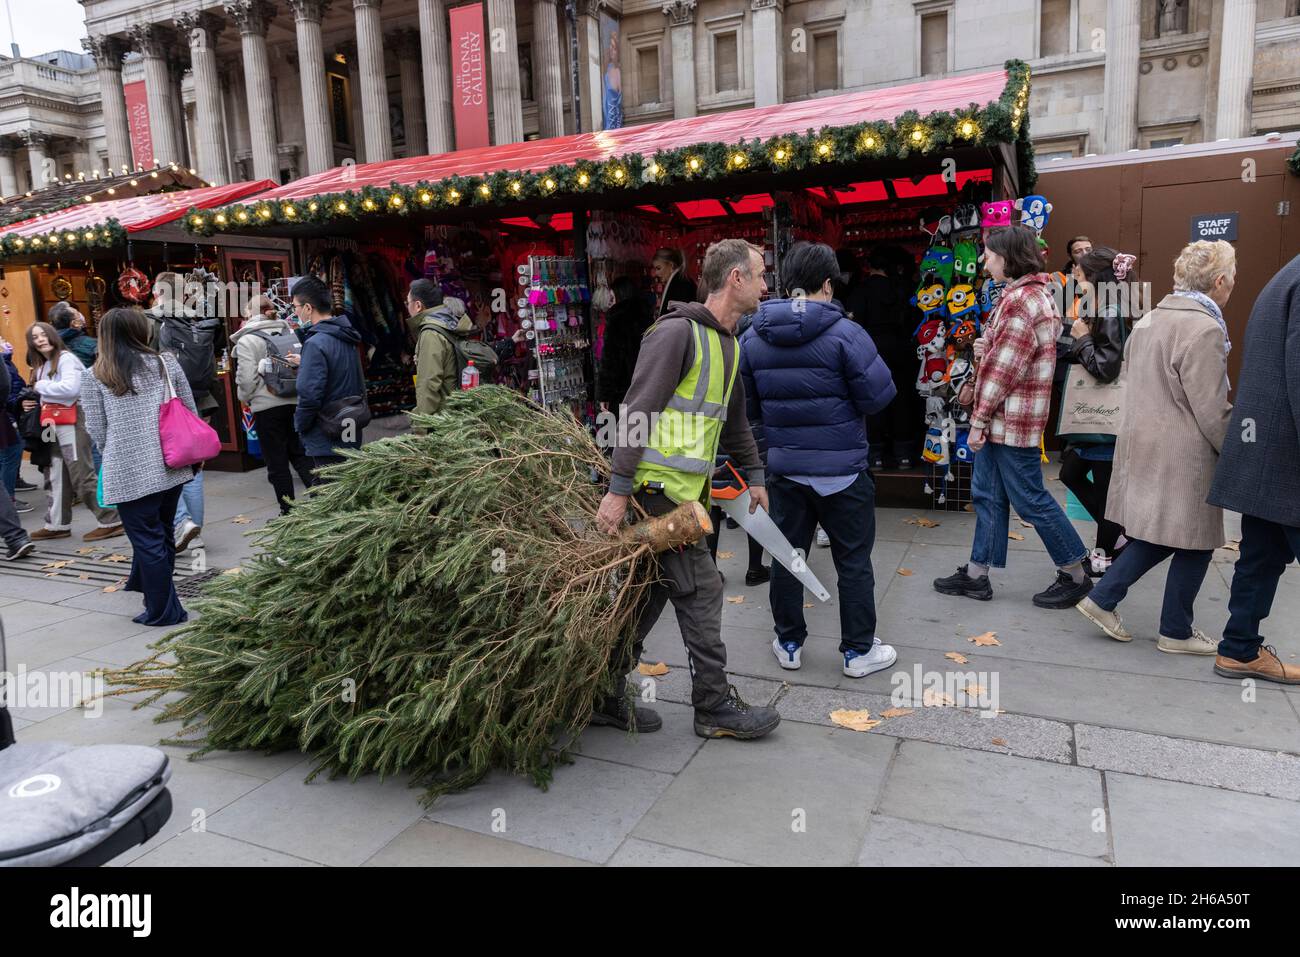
667,353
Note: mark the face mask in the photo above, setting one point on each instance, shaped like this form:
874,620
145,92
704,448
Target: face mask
8,349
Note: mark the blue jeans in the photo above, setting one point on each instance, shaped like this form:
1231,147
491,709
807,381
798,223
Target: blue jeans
10,461
1186,573
1266,549
849,519
1005,475
191,502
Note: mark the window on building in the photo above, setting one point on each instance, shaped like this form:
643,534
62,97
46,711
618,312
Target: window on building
1054,28
1166,141
934,43
726,62
826,62
647,75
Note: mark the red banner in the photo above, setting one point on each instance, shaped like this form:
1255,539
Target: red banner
137,118
469,99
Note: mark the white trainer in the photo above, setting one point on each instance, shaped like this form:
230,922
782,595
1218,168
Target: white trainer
880,657
1199,644
788,655
1108,621
186,532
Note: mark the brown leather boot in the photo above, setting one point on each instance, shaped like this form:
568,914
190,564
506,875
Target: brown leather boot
45,534
99,534
1267,667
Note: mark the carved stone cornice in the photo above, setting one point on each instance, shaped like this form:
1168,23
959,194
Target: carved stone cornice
251,16
200,29
312,11
777,5
151,39
107,51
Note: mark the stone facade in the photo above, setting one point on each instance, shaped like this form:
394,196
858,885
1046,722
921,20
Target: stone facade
284,88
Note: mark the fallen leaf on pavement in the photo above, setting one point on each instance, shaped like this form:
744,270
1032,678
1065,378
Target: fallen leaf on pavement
1232,546
116,558
809,604
736,599
111,588
895,712
905,572
999,742
988,638
90,550
968,507
926,523
955,656
84,578
936,699
653,670
232,571
1024,524
854,720
974,691
1016,536
241,520
62,564
726,554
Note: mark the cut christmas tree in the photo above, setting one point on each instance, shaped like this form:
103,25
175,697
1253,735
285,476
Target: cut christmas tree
443,606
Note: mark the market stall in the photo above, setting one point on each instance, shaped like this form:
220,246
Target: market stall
98,255
533,235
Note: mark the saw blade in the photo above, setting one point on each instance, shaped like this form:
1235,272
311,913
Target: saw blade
759,526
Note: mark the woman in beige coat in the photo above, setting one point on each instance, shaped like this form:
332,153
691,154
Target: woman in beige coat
1175,416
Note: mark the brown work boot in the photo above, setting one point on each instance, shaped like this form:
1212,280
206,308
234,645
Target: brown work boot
45,534
1267,667
99,534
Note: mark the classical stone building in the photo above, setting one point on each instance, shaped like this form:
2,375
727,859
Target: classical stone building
283,88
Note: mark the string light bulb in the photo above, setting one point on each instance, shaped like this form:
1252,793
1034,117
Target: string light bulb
694,164
516,187
549,184
426,197
242,216
368,204
453,195
289,211
485,191
583,179
341,206
313,206
220,219
395,201
738,160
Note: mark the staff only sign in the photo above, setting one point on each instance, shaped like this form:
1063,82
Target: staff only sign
1213,226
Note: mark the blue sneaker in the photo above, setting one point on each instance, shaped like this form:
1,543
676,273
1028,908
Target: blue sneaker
787,654
859,664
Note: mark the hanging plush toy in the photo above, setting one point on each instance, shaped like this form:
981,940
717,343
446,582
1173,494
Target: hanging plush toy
960,450
940,231
965,259
1035,210
961,302
990,293
994,215
931,337
937,267
928,298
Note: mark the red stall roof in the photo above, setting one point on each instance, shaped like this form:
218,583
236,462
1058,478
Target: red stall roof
136,213
732,127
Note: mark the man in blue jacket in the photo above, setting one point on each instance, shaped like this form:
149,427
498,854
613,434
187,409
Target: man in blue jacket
812,376
330,371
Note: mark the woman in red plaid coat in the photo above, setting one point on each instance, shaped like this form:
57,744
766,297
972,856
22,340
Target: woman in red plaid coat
1013,386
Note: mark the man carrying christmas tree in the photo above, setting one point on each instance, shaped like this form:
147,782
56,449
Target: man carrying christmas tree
685,399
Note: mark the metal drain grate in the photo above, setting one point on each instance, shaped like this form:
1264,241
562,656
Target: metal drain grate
192,586
65,560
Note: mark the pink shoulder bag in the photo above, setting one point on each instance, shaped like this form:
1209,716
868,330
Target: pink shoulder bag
186,439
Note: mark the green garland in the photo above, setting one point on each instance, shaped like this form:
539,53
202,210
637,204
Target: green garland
1005,120
100,236
1294,161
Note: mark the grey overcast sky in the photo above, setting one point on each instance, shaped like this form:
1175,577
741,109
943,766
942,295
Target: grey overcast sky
40,26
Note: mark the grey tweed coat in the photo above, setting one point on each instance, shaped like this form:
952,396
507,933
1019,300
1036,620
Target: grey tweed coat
126,430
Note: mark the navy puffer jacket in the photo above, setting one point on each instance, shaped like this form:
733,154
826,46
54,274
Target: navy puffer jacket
811,377
330,370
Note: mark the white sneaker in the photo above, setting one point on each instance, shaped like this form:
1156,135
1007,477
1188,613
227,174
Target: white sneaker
787,655
1099,561
186,533
823,540
880,657
1199,644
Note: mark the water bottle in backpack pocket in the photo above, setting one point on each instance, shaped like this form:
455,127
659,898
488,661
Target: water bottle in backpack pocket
278,375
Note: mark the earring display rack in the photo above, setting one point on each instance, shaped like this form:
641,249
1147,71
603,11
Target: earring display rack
555,325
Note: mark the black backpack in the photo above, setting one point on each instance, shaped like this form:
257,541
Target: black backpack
282,380
484,356
192,345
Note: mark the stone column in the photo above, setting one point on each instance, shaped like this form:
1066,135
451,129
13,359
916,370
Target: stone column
107,52
590,83
176,72
1236,69
36,144
507,103
307,16
253,17
548,85
154,44
435,60
202,30
1123,46
681,14
349,51
374,86
234,115
407,44
768,52
8,172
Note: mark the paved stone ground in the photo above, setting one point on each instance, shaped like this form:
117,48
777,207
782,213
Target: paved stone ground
1097,753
